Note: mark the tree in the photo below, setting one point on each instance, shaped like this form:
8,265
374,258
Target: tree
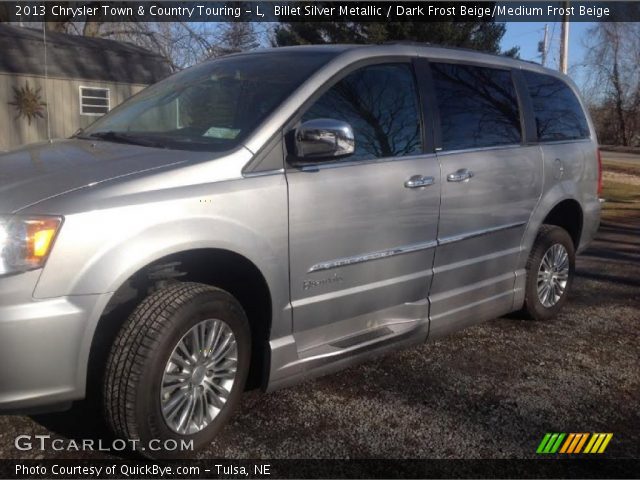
613,80
180,43
234,37
479,35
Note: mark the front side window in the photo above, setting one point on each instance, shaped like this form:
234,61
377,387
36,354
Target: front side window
478,106
558,113
213,106
380,103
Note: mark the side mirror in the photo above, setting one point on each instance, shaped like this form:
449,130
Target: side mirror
324,138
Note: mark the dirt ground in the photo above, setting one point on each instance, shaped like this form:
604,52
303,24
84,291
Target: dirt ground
491,391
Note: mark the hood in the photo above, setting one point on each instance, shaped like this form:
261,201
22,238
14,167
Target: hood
36,172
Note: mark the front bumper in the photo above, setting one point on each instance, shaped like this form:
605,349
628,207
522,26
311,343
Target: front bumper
44,345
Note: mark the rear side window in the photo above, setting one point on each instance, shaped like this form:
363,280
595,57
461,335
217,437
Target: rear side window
478,106
380,103
559,115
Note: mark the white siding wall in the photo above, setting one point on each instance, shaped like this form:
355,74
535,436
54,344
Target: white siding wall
63,102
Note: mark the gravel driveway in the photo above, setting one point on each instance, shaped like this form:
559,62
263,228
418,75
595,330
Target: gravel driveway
491,391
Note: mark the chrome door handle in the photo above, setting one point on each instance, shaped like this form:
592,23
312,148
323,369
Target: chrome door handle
418,181
461,175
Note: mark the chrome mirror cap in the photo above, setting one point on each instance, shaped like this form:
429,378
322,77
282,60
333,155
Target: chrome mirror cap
324,138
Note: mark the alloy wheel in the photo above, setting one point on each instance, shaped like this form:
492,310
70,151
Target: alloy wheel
553,275
199,376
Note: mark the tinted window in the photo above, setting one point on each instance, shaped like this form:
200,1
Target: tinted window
380,103
557,110
478,106
212,106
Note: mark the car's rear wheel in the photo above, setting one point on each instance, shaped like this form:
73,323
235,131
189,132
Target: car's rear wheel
177,369
550,272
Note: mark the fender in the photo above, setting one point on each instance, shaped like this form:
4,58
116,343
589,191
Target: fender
98,250
112,265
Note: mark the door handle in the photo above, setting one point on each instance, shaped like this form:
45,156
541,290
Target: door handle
418,181
461,175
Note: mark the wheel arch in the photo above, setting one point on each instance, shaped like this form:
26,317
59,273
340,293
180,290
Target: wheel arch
218,267
558,206
568,215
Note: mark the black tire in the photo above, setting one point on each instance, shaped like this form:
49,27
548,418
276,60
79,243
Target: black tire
135,366
548,236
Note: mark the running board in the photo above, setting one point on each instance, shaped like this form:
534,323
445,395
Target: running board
362,338
340,353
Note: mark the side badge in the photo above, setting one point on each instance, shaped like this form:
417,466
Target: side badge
309,284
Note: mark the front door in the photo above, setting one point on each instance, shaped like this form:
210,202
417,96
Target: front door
362,235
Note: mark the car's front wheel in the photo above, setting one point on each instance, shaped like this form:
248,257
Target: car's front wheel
177,369
550,272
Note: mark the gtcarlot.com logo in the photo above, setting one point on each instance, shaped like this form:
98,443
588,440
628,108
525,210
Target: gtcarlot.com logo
574,443
46,443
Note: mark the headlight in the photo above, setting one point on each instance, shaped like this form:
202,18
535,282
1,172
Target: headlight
25,242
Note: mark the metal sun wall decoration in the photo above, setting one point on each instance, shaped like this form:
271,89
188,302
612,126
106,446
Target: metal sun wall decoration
28,102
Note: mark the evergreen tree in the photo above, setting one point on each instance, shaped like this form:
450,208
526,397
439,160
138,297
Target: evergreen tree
479,35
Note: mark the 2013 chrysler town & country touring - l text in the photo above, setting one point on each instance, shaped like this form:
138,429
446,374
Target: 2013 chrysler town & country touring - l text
266,217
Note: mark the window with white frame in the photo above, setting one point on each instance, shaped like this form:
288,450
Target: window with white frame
94,101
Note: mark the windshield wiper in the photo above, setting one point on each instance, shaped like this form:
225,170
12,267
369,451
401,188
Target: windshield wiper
120,137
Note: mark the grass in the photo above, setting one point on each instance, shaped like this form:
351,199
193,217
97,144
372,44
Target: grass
621,167
622,199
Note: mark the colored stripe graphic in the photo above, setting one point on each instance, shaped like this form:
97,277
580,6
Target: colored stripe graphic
581,443
590,444
577,437
555,447
551,443
567,443
598,443
543,443
605,443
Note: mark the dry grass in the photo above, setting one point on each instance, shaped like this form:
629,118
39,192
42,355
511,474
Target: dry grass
621,189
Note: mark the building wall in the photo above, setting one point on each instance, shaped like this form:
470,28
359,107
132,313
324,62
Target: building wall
63,103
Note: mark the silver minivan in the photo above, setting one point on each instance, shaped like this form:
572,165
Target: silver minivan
267,217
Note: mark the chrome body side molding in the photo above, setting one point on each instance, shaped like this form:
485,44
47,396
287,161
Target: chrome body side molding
479,233
343,262
366,257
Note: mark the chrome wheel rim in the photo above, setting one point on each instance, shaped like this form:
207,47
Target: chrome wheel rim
553,275
198,377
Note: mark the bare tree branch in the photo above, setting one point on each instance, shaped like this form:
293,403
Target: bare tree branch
613,81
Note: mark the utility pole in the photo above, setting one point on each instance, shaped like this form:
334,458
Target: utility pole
543,46
564,39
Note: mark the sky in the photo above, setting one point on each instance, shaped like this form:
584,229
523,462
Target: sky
526,35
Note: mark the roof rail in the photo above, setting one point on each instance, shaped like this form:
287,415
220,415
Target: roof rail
464,49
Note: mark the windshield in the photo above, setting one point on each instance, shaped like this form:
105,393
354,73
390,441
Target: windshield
212,106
